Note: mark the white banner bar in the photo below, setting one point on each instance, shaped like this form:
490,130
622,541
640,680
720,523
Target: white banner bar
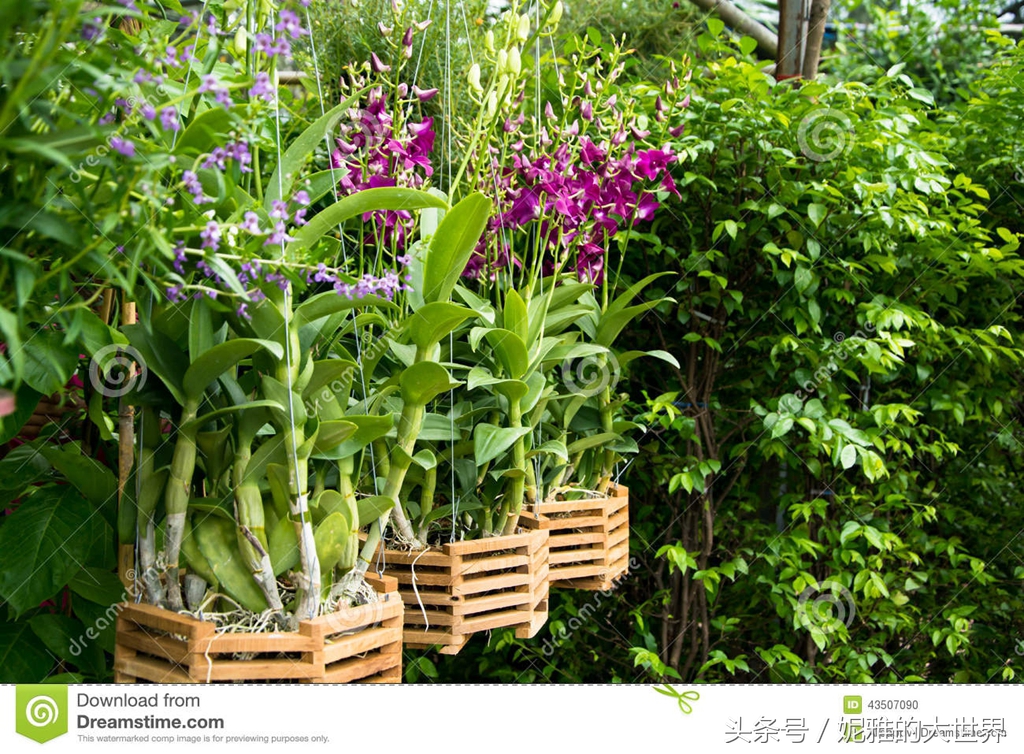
516,719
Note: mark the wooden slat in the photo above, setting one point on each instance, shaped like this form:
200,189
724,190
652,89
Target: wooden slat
500,563
489,544
492,583
432,558
559,541
152,669
258,670
581,555
477,623
577,571
163,647
151,616
405,578
248,642
364,641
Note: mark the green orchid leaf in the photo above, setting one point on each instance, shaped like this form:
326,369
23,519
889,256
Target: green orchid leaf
490,441
357,204
452,245
424,381
219,359
428,325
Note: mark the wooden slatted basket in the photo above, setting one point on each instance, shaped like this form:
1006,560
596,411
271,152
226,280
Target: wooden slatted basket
361,644
463,588
589,539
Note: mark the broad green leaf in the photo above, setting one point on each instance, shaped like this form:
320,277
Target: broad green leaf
357,204
218,542
219,360
325,304
490,441
510,350
332,434
43,544
452,245
23,657
330,538
373,507
94,480
424,381
65,638
514,316
429,324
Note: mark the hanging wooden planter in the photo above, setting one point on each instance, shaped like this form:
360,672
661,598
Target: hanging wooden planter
463,588
589,539
362,644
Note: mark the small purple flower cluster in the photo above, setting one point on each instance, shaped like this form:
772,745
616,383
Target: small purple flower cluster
386,286
236,150
288,28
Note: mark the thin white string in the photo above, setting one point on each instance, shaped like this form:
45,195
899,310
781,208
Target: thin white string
416,591
341,234
188,73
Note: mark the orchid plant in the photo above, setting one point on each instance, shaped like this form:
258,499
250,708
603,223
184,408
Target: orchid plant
343,338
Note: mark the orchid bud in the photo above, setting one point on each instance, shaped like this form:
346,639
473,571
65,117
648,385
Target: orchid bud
515,62
241,40
611,101
422,25
587,110
474,77
677,131
502,61
549,112
403,90
492,104
385,31
489,41
556,13
424,95
407,37
659,105
588,89
685,102
503,83
377,65
523,32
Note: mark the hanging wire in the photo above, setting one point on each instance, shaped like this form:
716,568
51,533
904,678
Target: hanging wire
188,73
341,235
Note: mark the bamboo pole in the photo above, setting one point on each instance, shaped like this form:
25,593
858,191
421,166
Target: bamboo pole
125,460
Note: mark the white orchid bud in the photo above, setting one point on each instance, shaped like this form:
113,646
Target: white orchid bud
241,40
515,62
556,13
474,78
492,104
524,28
489,41
502,62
